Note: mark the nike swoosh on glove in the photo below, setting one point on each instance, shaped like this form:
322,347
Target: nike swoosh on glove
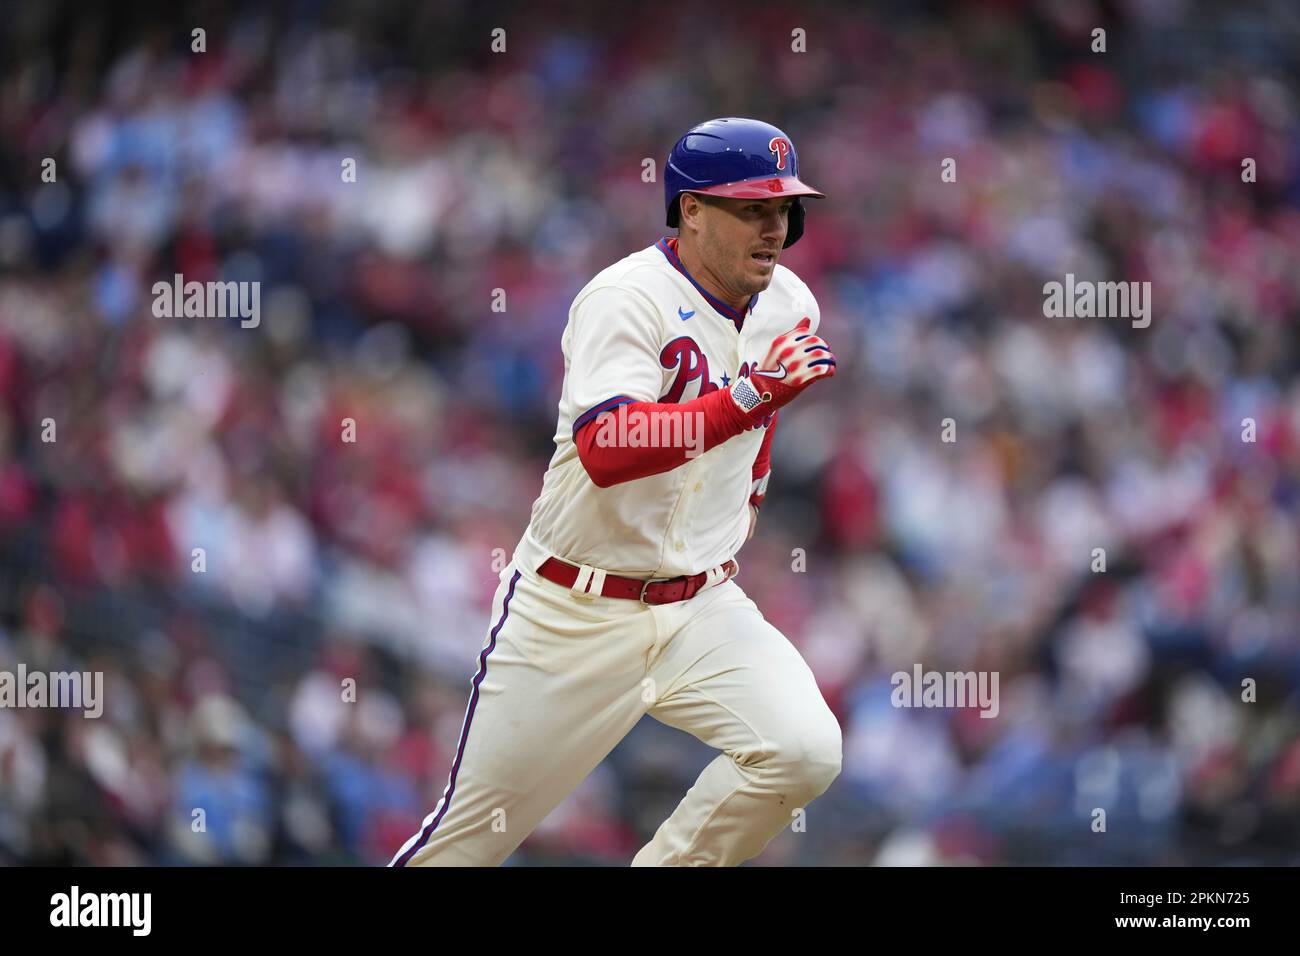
794,361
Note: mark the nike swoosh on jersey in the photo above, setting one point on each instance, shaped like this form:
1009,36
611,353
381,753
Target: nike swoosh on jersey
684,315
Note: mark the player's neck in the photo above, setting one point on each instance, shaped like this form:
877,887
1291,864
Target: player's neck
701,273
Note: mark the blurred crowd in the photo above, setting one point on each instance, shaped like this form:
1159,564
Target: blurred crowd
288,621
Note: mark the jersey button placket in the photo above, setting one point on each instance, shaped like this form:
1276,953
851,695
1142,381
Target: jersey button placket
696,488
681,527
692,505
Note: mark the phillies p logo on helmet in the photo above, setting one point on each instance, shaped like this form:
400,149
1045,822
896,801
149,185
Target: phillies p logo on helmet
780,148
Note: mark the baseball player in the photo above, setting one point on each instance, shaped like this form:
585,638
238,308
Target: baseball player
619,600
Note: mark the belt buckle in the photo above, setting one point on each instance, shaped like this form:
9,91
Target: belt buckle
644,586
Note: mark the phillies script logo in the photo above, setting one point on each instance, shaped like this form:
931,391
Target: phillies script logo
692,366
684,355
780,148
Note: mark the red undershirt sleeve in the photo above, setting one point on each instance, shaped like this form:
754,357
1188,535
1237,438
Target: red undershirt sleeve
763,465
611,461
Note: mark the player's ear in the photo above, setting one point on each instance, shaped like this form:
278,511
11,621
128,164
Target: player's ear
692,207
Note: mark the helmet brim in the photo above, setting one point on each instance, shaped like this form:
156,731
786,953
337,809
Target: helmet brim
769,187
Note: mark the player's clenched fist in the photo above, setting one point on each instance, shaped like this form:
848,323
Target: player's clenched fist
794,361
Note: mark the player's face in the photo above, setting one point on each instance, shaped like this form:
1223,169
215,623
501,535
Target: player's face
741,240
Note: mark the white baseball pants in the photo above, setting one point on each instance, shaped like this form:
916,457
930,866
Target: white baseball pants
562,680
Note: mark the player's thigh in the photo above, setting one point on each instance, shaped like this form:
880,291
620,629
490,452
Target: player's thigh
556,688
557,683
730,678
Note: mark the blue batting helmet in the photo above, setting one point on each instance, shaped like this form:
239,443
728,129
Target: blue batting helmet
739,159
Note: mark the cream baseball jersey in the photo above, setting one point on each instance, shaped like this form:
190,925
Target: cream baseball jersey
644,330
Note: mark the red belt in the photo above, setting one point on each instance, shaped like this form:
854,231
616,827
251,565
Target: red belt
648,592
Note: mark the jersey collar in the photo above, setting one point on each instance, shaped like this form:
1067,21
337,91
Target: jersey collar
668,246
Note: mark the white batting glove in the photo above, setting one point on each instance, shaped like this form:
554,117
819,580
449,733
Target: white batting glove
794,361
